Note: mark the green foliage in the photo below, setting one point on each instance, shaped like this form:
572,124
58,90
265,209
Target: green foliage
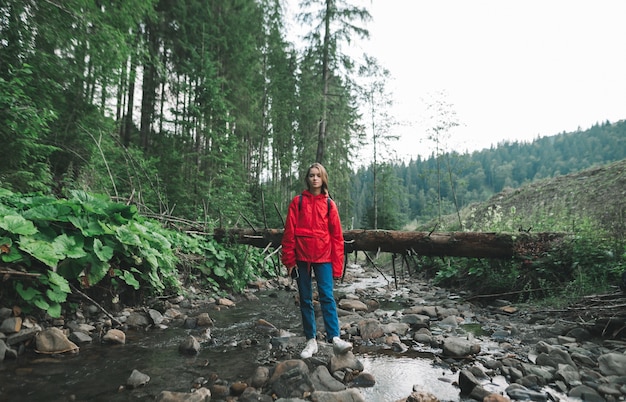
82,239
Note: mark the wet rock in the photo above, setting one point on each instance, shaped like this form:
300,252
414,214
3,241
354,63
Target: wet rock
352,305
345,361
419,395
222,301
370,329
251,394
25,335
11,325
416,321
137,379
457,347
155,316
238,387
52,341
137,319
612,364
260,377
467,381
495,398
189,346
266,326
348,395
363,380
79,337
291,379
199,395
516,391
585,393
323,381
220,390
3,349
399,328
114,336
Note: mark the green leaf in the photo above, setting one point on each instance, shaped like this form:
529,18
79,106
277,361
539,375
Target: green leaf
219,271
27,294
88,227
130,279
104,253
98,270
56,296
126,236
54,310
41,250
17,224
72,247
60,282
42,212
40,302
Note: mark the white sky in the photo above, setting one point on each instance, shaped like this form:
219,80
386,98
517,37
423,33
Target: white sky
513,70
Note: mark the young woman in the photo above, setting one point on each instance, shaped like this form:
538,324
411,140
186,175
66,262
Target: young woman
313,244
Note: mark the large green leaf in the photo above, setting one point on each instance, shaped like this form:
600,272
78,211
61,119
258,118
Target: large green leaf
98,270
28,293
126,236
42,250
60,282
70,246
17,224
88,227
104,253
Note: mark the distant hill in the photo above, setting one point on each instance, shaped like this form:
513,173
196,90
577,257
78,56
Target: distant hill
561,203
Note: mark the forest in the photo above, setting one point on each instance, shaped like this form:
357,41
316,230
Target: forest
204,111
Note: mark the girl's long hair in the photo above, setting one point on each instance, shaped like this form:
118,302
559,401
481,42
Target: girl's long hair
324,175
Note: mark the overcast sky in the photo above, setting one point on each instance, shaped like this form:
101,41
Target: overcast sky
513,70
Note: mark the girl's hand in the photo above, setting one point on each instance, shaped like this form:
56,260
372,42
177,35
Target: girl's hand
293,271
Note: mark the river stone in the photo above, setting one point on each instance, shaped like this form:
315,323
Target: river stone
479,393
238,387
200,395
5,313
467,381
399,328
52,341
495,398
585,393
348,395
430,311
253,395
569,375
519,392
457,347
24,335
291,379
364,380
137,379
11,325
189,346
421,396
352,305
137,319
345,361
260,377
370,329
612,364
3,349
80,337
156,316
222,301
323,381
114,336
450,322
416,320
580,334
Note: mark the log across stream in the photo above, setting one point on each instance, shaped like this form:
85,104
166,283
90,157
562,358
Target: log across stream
452,244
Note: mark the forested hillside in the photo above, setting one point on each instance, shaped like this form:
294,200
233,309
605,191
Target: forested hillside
417,189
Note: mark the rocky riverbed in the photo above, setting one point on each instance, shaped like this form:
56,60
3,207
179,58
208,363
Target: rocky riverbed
488,352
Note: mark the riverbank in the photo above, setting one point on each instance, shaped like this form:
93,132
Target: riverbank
246,347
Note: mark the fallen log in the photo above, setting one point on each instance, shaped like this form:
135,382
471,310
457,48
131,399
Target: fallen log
452,244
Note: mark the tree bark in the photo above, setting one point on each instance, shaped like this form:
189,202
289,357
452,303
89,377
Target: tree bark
452,244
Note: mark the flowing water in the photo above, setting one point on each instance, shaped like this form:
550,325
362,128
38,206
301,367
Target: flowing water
99,372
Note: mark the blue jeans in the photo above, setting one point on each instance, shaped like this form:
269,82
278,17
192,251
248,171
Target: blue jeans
324,277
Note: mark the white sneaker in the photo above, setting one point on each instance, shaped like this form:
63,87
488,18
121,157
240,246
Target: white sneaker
340,346
310,349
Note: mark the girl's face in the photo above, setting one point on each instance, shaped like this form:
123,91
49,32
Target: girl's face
315,180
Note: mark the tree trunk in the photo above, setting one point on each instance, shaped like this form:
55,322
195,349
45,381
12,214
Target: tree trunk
452,244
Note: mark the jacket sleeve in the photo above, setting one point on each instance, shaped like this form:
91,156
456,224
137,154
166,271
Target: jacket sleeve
336,241
289,237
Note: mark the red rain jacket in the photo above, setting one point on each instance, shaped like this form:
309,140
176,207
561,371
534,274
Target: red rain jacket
313,233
